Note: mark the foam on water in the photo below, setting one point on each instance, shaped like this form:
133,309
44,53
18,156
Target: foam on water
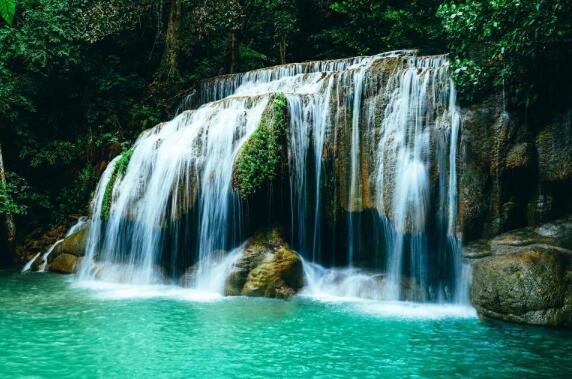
414,311
118,291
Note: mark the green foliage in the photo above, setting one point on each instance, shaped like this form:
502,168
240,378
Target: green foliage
119,171
8,10
260,159
506,42
252,59
75,197
284,17
16,197
369,27
78,76
52,154
12,195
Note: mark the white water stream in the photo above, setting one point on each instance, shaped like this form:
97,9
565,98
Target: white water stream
389,121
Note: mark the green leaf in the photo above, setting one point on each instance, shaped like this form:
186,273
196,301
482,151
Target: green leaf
7,10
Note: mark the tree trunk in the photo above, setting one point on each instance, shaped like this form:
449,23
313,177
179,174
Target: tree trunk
283,50
234,53
169,69
7,253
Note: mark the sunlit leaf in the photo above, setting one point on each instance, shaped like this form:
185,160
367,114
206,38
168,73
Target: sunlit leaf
8,10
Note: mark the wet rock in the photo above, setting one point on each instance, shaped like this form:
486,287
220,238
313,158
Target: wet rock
477,250
554,145
520,156
267,268
189,277
39,242
525,275
411,290
512,173
64,264
74,244
532,286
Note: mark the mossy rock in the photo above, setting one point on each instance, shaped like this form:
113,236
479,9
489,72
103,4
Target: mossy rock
267,268
263,156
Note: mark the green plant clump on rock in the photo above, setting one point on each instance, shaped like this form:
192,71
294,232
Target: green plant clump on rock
260,158
119,170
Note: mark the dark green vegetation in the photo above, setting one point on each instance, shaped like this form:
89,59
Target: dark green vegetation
262,156
119,170
80,77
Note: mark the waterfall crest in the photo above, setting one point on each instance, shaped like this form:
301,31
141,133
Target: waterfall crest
371,181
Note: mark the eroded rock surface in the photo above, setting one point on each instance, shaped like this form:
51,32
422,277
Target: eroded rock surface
525,275
267,268
64,264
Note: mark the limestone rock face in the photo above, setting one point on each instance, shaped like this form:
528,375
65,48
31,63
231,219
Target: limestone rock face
554,144
525,276
267,268
513,172
39,244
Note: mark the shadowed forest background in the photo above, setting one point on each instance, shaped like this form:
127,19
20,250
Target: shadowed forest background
80,79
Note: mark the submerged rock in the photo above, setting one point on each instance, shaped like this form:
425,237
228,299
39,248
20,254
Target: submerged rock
267,268
525,276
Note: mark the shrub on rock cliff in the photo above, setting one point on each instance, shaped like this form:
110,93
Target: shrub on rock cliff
262,156
512,44
119,171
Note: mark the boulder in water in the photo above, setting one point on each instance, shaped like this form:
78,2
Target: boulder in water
64,264
267,268
74,244
525,276
63,259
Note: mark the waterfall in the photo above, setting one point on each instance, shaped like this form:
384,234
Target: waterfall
371,191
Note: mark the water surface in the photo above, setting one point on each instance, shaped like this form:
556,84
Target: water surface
52,327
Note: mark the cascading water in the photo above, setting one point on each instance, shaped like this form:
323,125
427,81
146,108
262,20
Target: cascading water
372,149
44,257
174,165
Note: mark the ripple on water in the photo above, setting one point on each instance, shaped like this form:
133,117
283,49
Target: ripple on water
53,328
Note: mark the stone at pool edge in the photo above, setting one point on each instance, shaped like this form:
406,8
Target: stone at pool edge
525,276
65,264
66,257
